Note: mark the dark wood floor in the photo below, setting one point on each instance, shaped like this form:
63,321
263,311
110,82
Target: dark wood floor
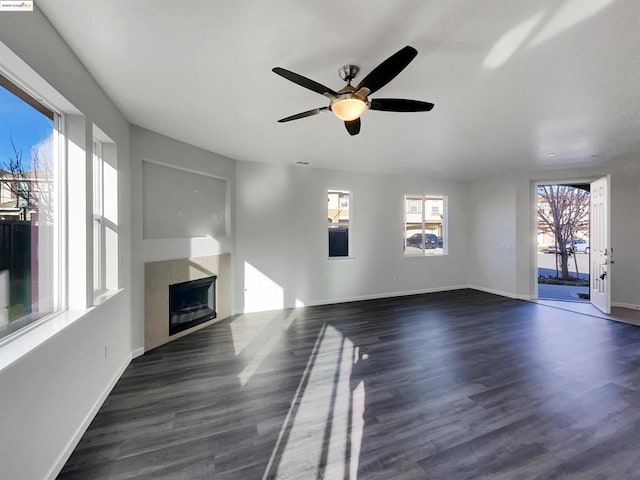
456,385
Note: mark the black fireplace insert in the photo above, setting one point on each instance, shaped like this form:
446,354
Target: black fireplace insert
191,303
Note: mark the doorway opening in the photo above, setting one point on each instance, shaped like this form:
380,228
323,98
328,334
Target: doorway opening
563,245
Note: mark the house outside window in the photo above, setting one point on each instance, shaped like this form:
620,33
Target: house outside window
414,205
338,214
425,225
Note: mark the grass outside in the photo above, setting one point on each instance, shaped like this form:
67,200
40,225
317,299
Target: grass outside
574,282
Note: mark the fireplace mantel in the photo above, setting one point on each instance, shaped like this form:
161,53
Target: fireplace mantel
159,275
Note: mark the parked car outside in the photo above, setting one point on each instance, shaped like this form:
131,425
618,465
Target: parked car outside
551,249
430,240
579,245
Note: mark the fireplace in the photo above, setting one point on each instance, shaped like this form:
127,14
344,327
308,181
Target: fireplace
191,303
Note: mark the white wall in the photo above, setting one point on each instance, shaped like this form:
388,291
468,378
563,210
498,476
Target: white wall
49,393
493,245
179,204
148,146
503,211
281,237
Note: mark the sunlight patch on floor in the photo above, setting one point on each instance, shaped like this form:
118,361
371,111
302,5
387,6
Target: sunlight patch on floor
244,330
304,448
339,440
274,336
322,435
357,429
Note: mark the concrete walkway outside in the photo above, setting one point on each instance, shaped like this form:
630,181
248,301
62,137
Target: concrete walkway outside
561,292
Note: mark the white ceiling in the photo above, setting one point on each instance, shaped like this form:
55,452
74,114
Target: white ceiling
511,81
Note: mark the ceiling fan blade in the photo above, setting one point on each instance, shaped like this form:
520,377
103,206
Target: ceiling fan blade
353,127
308,113
400,105
388,70
304,82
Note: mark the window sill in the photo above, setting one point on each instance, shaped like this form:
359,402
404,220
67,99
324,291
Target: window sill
15,346
439,255
340,258
104,296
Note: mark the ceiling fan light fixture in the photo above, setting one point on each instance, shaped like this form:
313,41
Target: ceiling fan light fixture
349,108
350,102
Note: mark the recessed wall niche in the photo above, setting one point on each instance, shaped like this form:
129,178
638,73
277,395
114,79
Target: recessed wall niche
177,203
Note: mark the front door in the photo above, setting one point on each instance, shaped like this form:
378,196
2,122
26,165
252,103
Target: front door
600,245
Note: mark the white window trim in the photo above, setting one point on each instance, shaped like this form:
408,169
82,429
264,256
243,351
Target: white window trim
58,199
445,220
60,230
104,154
98,216
349,255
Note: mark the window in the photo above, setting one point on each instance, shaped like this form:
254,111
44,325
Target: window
29,209
98,219
338,215
424,225
105,214
414,205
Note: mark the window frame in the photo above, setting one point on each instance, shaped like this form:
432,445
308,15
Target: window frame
99,260
58,298
341,193
105,238
443,212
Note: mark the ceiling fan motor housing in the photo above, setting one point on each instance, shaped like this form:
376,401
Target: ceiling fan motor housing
348,72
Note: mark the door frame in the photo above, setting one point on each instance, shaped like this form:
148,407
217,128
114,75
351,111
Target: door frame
602,257
534,222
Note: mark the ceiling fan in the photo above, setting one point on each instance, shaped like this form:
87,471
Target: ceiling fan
350,102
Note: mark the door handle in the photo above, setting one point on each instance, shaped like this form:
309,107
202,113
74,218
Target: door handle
604,274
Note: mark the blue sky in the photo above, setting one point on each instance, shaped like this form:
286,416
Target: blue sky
26,125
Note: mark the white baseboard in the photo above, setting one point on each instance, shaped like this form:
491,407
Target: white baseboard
375,296
73,443
500,292
138,352
625,305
